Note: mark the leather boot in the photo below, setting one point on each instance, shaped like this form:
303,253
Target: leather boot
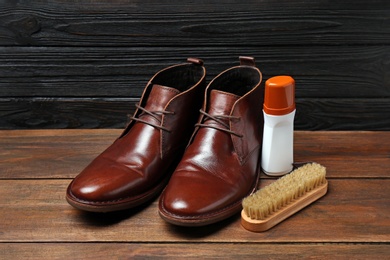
138,165
221,164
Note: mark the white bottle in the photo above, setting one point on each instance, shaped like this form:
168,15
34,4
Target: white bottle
278,136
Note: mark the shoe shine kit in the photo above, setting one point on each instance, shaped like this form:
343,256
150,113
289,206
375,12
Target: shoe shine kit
294,191
209,172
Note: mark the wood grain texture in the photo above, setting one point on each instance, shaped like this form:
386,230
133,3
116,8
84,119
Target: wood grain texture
192,251
154,23
87,113
40,154
60,113
319,71
350,222
71,65
353,211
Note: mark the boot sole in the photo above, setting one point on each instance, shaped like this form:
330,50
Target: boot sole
115,205
206,219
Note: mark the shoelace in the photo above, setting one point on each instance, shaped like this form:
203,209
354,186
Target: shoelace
218,119
155,115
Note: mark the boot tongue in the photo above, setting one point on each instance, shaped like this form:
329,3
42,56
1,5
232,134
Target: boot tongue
221,103
157,100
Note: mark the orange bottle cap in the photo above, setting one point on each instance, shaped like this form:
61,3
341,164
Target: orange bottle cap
279,98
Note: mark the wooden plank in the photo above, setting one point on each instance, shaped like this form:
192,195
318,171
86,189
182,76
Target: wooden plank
192,251
353,211
50,153
38,154
37,113
312,114
343,114
319,71
156,23
346,154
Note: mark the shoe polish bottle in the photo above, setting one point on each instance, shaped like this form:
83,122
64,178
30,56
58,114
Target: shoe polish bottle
278,136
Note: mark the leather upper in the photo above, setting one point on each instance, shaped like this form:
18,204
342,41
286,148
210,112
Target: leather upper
221,164
152,143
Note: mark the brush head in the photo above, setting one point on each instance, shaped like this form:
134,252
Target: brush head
279,200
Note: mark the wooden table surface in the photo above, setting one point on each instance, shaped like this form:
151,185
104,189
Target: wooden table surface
351,221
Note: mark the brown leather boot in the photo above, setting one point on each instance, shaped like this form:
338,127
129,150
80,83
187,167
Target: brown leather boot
221,165
137,166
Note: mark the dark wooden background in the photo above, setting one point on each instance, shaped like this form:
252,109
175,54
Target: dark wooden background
83,64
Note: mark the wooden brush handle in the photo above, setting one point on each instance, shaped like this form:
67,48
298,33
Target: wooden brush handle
283,213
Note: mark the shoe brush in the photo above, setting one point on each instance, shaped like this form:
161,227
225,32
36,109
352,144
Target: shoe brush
274,203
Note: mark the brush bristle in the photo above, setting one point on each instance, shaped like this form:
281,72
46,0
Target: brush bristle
280,193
